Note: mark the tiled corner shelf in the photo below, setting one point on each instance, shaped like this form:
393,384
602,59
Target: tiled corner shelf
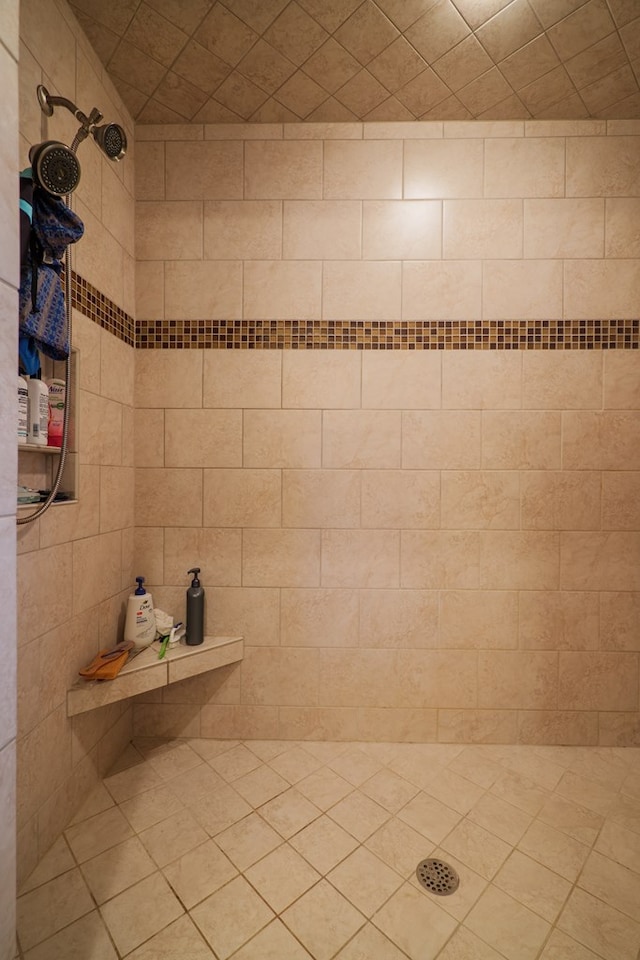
145,672
38,448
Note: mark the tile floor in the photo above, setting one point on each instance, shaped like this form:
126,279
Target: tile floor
263,850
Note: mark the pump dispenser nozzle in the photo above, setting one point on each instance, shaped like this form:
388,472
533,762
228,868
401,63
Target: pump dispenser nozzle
195,571
140,590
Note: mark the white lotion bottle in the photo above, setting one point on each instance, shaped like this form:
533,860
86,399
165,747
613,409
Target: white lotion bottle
23,410
38,412
140,621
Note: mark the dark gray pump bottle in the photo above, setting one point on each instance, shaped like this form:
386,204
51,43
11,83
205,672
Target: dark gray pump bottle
195,610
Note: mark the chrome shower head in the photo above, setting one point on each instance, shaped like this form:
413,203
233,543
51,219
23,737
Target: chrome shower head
55,167
111,139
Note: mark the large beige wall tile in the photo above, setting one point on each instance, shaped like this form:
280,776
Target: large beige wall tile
202,290
117,366
168,231
559,620
622,380
282,438
437,678
149,290
321,379
478,621
360,558
357,170
87,339
564,228
400,499
620,501
530,440
440,440
600,561
601,288
443,168
620,621
361,438
286,169
319,618
483,379
205,170
116,498
480,499
202,438
239,378
621,220
442,289
477,726
250,612
519,560
282,290
216,552
560,500
117,210
170,497
243,229
168,378
148,434
321,229
600,441
97,565
320,498
517,680
598,681
524,167
562,381
399,618
271,675
149,553
602,167
440,559
401,379
358,678
100,423
482,229
401,230
242,498
361,291
522,289
281,558
149,170
559,727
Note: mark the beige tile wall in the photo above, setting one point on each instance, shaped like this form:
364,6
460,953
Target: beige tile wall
75,564
9,247
415,545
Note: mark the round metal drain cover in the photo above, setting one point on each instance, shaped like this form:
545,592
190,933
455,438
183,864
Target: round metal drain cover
437,877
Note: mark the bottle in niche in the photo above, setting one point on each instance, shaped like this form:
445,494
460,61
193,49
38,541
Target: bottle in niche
23,410
195,610
38,412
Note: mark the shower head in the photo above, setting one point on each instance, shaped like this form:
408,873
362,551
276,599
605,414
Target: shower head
55,167
111,139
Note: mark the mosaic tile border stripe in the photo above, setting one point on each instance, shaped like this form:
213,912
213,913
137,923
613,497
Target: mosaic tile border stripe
388,335
103,311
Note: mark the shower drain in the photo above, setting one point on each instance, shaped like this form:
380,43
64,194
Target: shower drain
437,877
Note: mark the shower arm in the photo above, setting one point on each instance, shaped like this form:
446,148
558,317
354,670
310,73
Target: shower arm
47,102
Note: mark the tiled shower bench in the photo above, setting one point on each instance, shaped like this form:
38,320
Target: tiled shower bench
145,672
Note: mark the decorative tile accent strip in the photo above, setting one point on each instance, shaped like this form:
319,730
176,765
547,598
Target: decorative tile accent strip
93,304
388,335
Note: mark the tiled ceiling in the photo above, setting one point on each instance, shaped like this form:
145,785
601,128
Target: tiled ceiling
340,60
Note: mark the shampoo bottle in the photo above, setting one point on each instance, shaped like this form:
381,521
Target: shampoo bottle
38,412
140,622
195,610
23,410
